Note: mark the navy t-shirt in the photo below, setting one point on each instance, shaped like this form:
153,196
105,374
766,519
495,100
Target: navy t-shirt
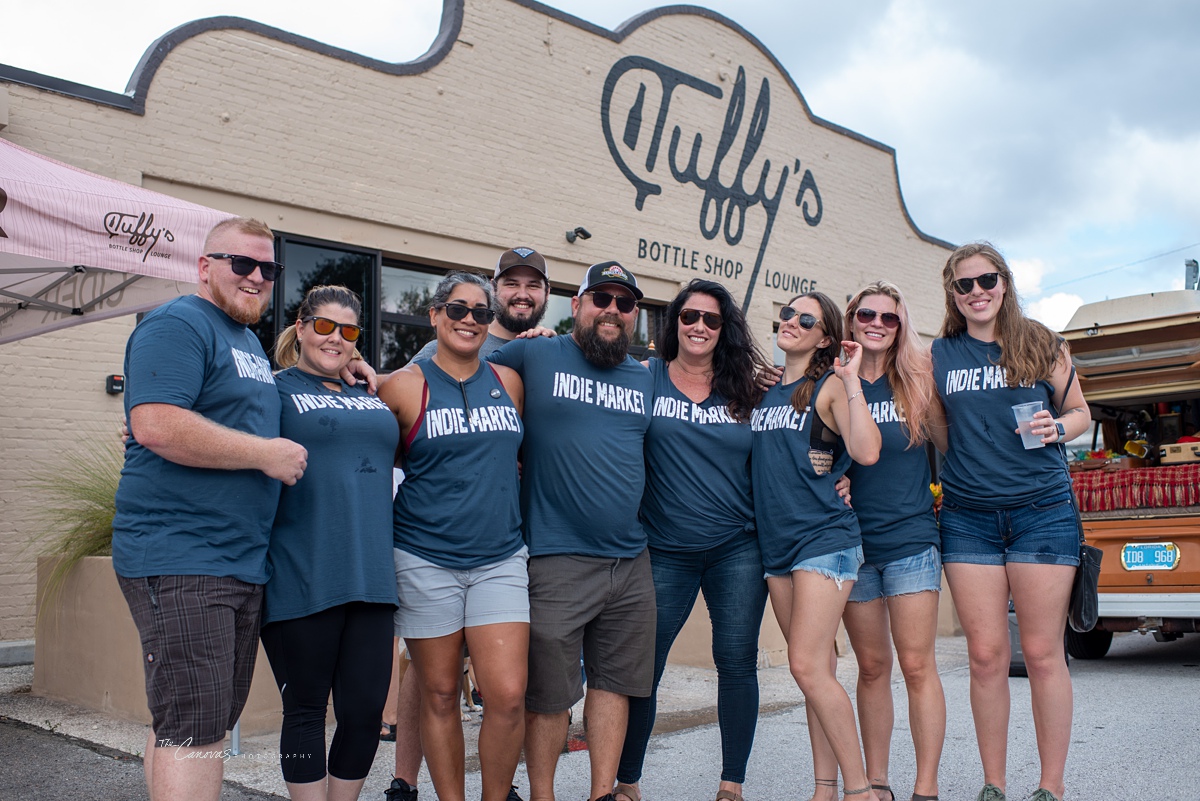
796,504
986,466
583,472
331,543
892,497
697,470
459,504
177,520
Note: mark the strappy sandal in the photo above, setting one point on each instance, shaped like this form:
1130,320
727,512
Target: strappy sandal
630,791
730,795
919,797
884,787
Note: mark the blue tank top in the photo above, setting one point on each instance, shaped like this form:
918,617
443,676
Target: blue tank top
795,463
330,544
892,497
697,470
459,504
986,466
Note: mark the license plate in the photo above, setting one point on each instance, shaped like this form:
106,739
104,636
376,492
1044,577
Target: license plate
1150,556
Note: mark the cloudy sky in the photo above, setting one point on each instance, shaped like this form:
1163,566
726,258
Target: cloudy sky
1066,132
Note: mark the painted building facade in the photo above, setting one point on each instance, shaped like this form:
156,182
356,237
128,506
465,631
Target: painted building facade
677,143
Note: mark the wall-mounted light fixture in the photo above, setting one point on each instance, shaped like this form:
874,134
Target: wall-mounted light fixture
578,232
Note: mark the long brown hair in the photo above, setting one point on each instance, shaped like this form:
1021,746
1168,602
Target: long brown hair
907,364
822,358
1028,349
287,344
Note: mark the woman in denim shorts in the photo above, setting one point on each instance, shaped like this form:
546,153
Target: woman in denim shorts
1008,521
806,430
896,596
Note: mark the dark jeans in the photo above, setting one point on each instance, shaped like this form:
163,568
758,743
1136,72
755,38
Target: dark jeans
731,577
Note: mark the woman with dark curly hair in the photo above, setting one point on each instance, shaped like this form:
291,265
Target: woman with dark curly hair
806,431
699,516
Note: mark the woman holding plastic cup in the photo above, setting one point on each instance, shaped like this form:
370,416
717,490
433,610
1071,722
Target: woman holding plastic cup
1008,522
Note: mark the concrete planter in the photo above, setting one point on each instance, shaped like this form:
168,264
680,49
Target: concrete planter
88,653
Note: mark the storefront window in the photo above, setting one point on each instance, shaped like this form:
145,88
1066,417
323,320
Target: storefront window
404,296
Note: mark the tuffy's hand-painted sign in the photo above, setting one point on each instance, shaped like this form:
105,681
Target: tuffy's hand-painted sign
724,207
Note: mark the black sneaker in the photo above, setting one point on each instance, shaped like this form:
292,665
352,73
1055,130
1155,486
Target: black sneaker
513,795
400,791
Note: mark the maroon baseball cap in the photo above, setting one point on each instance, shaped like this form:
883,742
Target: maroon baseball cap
521,256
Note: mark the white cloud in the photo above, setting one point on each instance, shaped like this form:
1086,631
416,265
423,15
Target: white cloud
1028,273
1054,310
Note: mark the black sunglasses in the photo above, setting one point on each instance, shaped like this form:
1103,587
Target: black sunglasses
986,281
459,311
712,320
625,304
889,319
244,265
324,326
805,321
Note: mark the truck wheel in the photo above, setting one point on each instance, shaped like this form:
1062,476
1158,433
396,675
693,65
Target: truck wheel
1088,645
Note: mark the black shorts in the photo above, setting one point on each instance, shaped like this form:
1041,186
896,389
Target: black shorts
604,607
199,639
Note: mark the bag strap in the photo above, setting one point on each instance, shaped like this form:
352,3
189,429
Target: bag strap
1062,449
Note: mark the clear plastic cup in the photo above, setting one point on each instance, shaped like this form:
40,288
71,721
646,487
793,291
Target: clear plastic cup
1024,413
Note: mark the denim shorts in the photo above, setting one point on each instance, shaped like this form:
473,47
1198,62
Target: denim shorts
921,572
436,601
840,565
1045,532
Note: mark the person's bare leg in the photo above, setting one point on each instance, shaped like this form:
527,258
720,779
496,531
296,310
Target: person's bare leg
1044,592
914,630
545,736
605,716
981,599
408,728
817,606
867,626
148,764
193,772
389,706
500,661
438,663
779,588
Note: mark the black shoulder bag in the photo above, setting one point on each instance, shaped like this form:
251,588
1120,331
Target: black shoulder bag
1085,590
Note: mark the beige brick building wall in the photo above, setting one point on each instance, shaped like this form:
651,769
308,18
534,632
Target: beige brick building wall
494,139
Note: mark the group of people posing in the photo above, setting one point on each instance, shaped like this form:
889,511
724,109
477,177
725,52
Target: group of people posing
560,498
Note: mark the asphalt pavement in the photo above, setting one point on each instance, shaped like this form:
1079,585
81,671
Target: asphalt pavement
1136,735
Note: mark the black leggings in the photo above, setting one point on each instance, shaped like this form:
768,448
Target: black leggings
346,649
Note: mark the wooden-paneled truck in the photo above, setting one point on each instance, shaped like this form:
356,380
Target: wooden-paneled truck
1138,360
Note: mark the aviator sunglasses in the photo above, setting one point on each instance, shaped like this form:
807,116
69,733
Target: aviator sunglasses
244,265
625,304
805,321
986,281
459,311
867,316
324,326
712,320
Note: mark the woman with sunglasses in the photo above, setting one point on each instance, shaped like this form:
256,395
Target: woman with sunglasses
699,517
806,430
895,599
327,609
459,557
1008,522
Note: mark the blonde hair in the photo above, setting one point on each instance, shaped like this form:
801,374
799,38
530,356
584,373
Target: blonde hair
822,358
243,225
907,364
287,344
1028,349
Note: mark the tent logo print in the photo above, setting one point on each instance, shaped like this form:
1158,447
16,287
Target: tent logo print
140,230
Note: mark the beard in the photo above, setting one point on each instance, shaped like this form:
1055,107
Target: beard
601,352
519,325
245,309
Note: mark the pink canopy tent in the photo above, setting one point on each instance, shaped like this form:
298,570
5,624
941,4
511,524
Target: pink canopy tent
77,247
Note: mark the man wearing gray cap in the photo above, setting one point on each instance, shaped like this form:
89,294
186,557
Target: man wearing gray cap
587,408
522,288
